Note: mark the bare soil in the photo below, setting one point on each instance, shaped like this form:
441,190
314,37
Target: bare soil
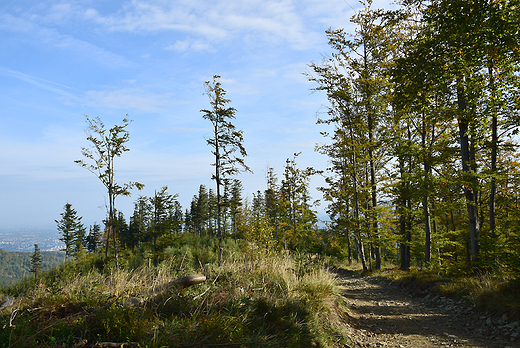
384,314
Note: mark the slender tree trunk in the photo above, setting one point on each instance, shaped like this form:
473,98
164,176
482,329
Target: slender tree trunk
217,179
362,255
108,231
427,229
403,249
370,252
235,226
426,197
345,200
373,188
356,244
408,233
359,242
494,154
466,157
347,235
401,208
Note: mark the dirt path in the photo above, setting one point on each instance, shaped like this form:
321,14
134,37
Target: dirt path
386,315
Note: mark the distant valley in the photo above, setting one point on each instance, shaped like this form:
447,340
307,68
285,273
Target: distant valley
19,239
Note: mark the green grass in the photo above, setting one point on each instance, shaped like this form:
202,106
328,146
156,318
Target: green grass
255,297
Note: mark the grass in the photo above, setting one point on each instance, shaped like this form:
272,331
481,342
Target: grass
495,292
255,297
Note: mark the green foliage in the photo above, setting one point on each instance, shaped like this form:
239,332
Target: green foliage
71,230
105,146
226,141
16,265
92,240
36,261
421,123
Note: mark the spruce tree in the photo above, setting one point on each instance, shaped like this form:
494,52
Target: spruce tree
36,261
92,239
71,230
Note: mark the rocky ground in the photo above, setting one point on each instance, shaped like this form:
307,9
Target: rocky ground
386,315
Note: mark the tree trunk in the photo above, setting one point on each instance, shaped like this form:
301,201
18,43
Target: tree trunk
466,157
347,235
426,197
494,154
217,179
373,188
362,255
401,208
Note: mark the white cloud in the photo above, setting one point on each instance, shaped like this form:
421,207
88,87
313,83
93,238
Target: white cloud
130,98
190,45
11,23
275,21
145,16
55,14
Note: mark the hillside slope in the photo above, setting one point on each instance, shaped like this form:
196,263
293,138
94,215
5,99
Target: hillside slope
16,265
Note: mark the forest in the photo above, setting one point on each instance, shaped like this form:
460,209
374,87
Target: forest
14,266
421,134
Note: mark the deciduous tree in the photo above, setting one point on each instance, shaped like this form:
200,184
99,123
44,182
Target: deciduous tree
106,145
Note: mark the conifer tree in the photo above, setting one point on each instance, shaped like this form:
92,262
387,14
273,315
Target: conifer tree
92,239
36,261
71,230
139,221
162,204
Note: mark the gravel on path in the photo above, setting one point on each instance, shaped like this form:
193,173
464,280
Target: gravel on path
383,314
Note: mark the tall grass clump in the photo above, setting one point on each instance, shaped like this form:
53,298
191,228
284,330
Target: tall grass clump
496,291
255,297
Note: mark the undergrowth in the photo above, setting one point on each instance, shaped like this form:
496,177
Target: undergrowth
254,297
495,292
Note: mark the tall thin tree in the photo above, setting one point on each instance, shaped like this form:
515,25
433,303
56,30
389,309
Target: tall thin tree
225,143
106,145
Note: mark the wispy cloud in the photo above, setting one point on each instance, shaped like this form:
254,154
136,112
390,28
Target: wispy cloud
130,98
124,98
42,83
275,21
190,45
57,13
47,36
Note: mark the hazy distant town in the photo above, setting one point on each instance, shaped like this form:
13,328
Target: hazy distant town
17,239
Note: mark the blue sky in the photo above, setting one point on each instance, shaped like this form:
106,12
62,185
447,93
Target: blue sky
62,60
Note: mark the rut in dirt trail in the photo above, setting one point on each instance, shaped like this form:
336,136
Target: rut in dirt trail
386,315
